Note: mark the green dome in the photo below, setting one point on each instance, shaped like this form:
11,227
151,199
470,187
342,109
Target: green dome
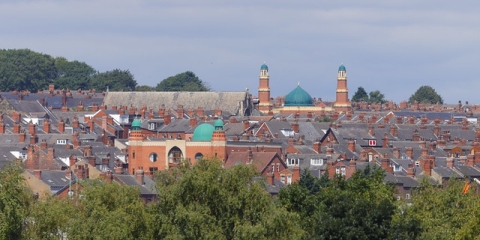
218,124
342,68
136,124
203,132
264,67
298,97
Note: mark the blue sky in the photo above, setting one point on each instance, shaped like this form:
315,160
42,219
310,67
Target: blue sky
391,46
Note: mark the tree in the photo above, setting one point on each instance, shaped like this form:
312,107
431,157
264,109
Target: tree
376,97
207,201
144,88
186,81
115,80
360,95
426,94
72,75
15,201
24,69
445,213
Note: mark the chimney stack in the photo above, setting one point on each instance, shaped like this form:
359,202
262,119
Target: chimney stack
140,176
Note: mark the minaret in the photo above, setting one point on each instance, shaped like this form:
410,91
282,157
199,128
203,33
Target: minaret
264,105
341,102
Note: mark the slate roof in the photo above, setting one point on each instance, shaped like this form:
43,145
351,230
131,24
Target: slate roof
130,180
229,102
260,159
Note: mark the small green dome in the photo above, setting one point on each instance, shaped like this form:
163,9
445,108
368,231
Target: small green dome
298,97
264,67
203,132
218,124
342,68
136,124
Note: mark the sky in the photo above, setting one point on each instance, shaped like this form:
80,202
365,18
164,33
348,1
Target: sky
392,46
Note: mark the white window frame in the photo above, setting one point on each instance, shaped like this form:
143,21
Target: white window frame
61,141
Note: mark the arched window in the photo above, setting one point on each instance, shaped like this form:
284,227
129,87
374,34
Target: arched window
198,156
175,155
153,157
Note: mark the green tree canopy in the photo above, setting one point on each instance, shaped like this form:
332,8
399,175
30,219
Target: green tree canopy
115,80
72,75
24,69
144,88
360,95
376,97
15,201
186,81
207,201
425,94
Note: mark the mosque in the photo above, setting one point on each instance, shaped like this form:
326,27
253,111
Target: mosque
298,100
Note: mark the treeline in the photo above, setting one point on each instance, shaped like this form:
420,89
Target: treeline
23,69
208,202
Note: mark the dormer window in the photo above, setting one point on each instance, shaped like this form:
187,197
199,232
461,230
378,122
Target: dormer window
61,141
317,162
151,126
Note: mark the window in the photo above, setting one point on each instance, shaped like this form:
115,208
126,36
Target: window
282,178
370,157
289,179
175,155
337,170
316,162
151,126
343,171
153,157
133,154
198,156
396,167
407,196
153,170
273,168
61,141
278,167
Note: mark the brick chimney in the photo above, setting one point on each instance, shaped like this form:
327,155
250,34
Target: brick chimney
167,119
317,146
31,128
249,156
16,117
16,128
180,111
140,176
296,174
386,165
409,152
193,122
75,121
470,160
329,150
46,126
371,131
33,139
295,127
415,136
385,140
396,153
428,167
22,136
271,178
410,171
351,145
450,162
436,130
246,124
218,112
200,112
37,173
72,160
61,125
43,144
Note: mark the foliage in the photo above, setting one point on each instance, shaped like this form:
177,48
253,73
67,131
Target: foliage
14,202
72,75
208,202
115,80
144,88
186,81
446,213
360,95
23,69
376,97
425,94
360,208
